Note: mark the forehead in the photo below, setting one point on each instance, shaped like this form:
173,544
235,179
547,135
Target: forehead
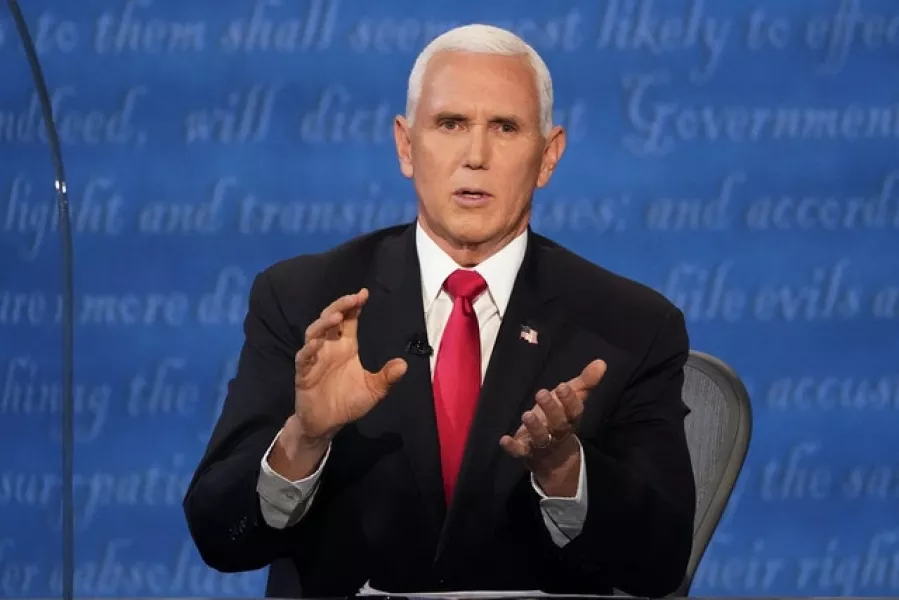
466,81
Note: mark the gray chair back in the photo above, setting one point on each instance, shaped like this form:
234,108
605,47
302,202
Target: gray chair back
718,429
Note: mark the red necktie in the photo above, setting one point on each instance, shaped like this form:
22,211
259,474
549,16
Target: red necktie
457,374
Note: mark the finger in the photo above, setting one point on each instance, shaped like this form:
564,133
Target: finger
540,416
556,415
345,303
573,406
323,326
381,382
308,355
514,447
306,359
537,430
351,317
589,378
521,434
338,311
538,411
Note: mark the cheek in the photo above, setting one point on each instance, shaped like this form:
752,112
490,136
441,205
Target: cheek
429,176
437,156
519,178
524,161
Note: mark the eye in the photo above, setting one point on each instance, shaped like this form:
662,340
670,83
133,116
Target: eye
507,127
449,124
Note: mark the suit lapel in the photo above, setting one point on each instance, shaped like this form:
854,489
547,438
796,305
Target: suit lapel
394,314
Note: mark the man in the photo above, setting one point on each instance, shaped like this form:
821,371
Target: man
458,403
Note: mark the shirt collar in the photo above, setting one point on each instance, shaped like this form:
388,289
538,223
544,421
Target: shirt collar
499,271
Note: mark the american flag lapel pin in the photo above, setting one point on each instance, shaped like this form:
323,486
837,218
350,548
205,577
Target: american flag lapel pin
529,334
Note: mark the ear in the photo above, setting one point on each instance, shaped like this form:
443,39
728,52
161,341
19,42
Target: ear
401,136
552,154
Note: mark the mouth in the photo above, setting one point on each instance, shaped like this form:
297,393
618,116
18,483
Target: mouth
472,194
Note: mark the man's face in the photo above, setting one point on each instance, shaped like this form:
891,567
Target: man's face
475,151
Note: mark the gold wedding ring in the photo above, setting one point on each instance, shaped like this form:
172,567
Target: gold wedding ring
549,441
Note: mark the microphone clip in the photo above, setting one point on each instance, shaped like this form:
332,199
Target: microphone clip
419,346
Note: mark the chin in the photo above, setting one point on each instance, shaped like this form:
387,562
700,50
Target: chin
470,232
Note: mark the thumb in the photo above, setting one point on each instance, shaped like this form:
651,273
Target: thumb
389,374
590,376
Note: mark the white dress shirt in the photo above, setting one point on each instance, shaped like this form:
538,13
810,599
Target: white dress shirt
285,502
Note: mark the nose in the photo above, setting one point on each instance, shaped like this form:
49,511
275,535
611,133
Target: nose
478,154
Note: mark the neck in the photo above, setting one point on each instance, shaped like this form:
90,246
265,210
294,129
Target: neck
470,255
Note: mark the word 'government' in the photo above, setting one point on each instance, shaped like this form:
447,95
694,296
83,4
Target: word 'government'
662,126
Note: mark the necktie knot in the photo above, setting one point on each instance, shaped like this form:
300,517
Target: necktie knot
465,284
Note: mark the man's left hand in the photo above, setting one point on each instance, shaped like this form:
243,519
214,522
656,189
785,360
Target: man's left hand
547,441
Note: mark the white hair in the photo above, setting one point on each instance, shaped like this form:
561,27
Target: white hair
488,40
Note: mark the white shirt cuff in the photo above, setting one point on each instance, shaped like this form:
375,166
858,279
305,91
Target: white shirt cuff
284,502
564,517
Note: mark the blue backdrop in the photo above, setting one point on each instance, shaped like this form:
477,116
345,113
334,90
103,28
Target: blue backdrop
741,157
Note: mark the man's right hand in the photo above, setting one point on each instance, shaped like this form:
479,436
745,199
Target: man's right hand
332,388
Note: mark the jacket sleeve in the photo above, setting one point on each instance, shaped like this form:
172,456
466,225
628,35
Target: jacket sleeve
222,505
638,532
639,525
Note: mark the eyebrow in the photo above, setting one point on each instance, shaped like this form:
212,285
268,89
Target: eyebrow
453,116
450,116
